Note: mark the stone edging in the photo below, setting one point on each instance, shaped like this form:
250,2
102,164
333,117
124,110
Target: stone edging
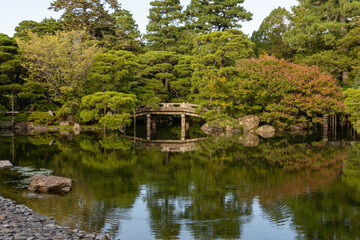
18,222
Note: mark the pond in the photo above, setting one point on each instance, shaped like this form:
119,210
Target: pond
287,187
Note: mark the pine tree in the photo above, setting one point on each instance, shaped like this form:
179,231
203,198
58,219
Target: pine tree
10,70
164,28
216,15
91,15
316,30
269,38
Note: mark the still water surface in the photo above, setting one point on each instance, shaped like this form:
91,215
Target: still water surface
287,187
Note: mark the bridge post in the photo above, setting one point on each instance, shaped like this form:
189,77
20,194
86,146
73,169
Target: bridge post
148,126
183,127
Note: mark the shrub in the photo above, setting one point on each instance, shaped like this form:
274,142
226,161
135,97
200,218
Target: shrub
41,118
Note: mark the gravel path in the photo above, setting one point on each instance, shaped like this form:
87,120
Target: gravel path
18,222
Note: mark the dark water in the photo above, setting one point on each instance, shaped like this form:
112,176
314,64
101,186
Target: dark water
287,187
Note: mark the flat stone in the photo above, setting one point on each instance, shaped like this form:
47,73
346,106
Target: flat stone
5,164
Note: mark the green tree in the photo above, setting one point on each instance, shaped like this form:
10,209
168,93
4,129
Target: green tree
112,109
10,70
113,70
316,30
91,15
46,26
269,38
352,103
215,54
9,60
35,96
127,34
165,73
216,15
61,61
164,30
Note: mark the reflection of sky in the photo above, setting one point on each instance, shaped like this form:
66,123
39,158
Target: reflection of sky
260,228
135,224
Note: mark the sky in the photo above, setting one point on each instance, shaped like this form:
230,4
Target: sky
12,12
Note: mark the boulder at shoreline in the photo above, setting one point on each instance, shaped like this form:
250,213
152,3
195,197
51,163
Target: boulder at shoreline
42,183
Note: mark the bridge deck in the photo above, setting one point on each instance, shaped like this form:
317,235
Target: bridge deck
170,109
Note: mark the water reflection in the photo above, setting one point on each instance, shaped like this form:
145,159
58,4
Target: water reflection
301,187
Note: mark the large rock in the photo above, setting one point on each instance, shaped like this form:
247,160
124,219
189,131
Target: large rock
266,131
249,122
42,183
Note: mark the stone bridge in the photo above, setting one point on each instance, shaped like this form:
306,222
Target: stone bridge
182,109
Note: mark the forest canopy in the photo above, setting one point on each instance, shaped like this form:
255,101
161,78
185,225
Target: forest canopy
293,69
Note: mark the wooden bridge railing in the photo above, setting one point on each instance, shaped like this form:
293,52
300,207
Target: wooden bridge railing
170,108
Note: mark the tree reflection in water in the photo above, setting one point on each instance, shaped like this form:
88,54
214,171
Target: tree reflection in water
208,193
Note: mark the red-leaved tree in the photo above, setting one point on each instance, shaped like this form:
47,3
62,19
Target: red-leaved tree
277,91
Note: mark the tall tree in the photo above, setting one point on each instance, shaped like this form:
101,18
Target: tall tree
316,30
9,60
163,30
216,15
10,69
215,55
127,34
91,15
60,62
269,37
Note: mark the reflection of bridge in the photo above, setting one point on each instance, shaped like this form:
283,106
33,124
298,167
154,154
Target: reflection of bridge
183,109
187,145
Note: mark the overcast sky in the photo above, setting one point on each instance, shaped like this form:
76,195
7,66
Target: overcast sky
12,12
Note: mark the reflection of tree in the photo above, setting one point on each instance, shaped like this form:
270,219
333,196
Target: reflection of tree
325,215
351,174
164,217
208,192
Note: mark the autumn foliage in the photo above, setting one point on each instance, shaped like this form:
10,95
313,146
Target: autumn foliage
278,91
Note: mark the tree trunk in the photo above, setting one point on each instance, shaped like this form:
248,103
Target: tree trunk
167,84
